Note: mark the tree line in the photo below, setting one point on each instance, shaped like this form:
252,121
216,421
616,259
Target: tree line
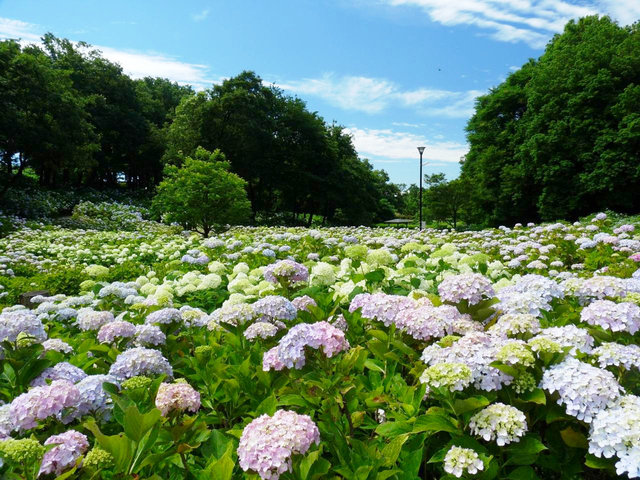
72,118
560,137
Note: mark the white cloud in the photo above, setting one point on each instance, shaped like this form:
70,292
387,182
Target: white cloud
374,95
199,17
530,21
389,146
134,63
18,30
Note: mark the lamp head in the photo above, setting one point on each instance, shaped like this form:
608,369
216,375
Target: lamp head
421,149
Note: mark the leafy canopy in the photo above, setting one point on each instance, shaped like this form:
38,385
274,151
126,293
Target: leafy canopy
202,194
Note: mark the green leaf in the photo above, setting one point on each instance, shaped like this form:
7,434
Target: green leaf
599,463
574,439
471,403
119,446
221,469
387,474
535,396
307,462
269,406
392,429
523,473
391,451
137,424
216,445
435,422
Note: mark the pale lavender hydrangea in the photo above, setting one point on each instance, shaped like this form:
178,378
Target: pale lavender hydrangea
60,371
234,314
56,345
262,330
69,447
274,307
89,319
601,287
287,271
164,316
140,361
177,397
21,322
469,287
94,400
582,388
268,443
477,350
43,402
380,306
616,431
116,330
304,302
617,317
290,351
426,322
569,336
149,335
614,354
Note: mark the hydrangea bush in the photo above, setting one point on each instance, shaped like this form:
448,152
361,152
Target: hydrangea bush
338,353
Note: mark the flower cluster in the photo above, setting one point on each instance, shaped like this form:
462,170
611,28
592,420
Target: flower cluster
584,390
470,287
274,307
616,431
287,271
452,376
68,447
43,402
617,317
268,443
178,397
140,361
262,330
460,460
503,423
290,352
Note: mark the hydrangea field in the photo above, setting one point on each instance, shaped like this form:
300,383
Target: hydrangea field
337,353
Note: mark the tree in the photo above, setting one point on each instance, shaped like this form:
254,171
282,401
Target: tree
202,194
560,138
445,200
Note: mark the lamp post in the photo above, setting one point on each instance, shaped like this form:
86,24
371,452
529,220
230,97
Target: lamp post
421,150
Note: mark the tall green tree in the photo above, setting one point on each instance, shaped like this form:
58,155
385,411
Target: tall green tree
202,195
559,138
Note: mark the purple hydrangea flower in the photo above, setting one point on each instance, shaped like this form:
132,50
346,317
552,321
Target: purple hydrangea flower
380,306
149,335
286,270
268,443
290,350
69,446
304,302
60,371
19,322
116,330
274,307
140,361
43,402
472,287
177,396
164,316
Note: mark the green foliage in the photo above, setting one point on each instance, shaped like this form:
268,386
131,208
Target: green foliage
559,137
202,195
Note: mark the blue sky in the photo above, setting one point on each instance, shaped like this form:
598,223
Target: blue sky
397,73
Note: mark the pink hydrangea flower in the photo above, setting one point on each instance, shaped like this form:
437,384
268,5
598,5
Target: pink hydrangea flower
177,396
268,443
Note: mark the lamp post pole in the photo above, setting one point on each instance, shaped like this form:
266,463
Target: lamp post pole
421,150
